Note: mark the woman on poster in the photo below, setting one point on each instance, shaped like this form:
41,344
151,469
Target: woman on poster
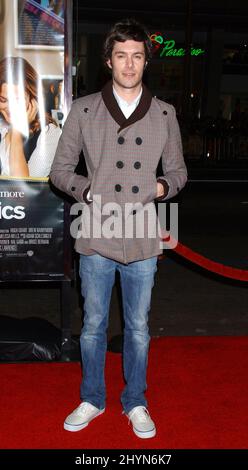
28,135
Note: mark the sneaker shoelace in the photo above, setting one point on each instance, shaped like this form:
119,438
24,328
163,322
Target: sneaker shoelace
141,413
83,407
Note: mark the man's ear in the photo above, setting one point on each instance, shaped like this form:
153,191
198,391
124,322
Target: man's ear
108,62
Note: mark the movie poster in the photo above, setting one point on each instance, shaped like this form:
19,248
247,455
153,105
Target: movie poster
32,112
31,231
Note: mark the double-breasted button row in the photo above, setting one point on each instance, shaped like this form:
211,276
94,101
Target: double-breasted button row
120,164
121,140
135,189
115,213
118,188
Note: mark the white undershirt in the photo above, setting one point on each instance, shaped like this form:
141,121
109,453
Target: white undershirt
127,108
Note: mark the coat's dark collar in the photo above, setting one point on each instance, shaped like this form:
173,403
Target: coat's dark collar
115,111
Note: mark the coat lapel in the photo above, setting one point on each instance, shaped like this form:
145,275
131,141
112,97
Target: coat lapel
115,111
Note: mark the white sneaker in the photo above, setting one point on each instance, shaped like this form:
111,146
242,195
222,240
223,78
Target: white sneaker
143,426
81,416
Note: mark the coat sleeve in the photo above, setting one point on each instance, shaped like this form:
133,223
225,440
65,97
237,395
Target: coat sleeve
66,158
174,169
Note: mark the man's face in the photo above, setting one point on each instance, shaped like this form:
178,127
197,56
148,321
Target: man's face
127,63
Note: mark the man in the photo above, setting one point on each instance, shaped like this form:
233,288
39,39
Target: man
123,132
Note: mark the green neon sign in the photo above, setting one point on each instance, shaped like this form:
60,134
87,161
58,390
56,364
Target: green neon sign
168,47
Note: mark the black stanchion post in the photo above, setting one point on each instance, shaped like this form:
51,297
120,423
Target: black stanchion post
65,309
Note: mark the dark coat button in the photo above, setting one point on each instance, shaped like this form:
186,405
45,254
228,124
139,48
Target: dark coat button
73,188
137,165
134,212
86,110
165,112
121,140
135,189
138,140
119,164
118,188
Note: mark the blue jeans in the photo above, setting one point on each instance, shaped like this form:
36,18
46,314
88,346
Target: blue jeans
97,278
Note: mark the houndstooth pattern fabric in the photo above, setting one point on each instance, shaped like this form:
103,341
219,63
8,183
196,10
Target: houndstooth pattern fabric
91,127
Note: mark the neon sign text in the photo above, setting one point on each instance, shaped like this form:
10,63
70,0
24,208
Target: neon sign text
168,47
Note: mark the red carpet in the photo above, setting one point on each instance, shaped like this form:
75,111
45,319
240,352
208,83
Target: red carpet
197,395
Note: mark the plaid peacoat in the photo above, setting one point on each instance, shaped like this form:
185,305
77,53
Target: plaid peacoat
121,156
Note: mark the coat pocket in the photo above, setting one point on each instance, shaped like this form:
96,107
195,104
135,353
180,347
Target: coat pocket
150,190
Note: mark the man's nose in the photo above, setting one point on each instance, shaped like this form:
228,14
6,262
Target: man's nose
129,61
